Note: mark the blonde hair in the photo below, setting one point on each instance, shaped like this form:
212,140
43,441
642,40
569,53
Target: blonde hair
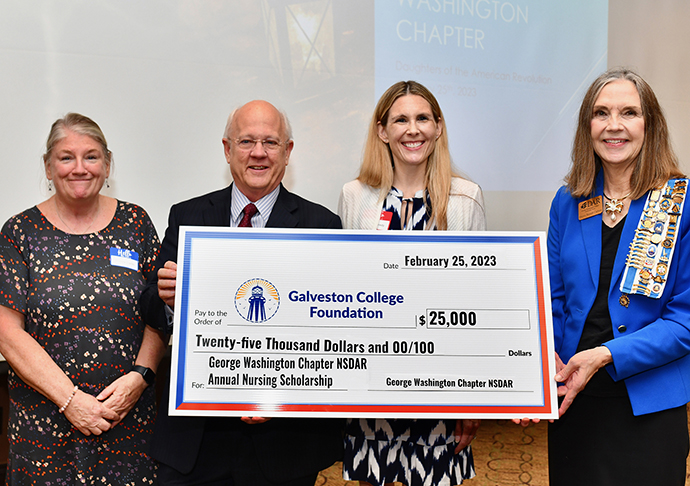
83,125
656,163
378,165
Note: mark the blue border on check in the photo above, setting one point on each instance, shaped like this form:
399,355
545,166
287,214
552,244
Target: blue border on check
287,235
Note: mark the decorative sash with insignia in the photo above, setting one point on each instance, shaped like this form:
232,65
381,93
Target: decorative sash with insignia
651,250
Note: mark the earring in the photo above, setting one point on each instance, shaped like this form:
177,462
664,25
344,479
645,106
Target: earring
107,184
50,185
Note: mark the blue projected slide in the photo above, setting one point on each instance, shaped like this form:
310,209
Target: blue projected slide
509,75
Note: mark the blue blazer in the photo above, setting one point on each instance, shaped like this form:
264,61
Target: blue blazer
651,344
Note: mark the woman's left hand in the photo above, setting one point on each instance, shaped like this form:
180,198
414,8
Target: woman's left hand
577,373
122,394
465,432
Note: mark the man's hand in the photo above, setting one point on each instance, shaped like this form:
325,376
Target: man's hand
255,420
167,279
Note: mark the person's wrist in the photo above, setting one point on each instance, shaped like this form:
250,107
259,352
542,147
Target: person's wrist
605,355
69,399
147,374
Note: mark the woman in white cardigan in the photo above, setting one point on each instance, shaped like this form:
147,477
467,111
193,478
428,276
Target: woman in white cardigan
406,182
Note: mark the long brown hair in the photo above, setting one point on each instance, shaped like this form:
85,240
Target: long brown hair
656,163
377,163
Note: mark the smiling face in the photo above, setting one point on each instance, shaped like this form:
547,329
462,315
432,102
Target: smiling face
617,125
257,171
411,130
77,166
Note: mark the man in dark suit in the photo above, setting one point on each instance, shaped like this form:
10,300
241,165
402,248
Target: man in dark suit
251,451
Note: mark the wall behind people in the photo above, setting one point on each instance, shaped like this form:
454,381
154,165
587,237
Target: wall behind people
162,95
649,37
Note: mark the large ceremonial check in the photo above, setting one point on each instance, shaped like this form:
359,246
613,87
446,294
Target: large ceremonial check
305,323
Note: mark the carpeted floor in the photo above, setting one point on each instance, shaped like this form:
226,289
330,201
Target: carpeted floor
506,454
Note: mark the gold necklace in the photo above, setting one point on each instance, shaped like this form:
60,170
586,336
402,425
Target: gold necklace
614,206
86,230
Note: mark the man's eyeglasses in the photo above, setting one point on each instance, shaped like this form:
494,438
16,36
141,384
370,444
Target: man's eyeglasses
268,144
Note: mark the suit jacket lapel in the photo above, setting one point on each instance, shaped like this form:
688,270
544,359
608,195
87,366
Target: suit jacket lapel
284,213
218,213
591,233
591,237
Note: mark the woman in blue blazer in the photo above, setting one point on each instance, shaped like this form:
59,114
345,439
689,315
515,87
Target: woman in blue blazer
619,259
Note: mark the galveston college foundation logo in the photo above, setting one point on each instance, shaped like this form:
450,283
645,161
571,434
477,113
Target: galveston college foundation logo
257,300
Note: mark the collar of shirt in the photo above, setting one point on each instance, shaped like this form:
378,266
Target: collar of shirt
263,205
397,193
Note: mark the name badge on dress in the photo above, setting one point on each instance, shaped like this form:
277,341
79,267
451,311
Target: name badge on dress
124,258
385,221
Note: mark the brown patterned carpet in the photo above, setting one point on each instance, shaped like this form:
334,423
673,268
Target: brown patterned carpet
504,454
